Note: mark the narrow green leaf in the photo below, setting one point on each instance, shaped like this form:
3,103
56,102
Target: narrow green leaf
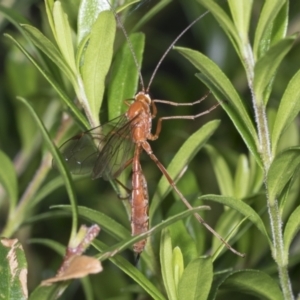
226,226
254,283
224,21
223,90
262,33
219,246
196,280
166,264
54,245
178,264
280,24
13,17
60,164
64,35
105,222
46,190
243,208
53,291
49,292
291,229
222,172
132,272
164,224
125,75
219,278
241,178
87,15
281,170
288,110
266,67
73,108
97,60
126,5
49,11
256,176
8,179
13,271
180,237
182,158
241,12
46,46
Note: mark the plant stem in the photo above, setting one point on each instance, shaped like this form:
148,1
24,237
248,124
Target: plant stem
278,251
16,218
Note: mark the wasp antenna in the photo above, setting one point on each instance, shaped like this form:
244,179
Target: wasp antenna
129,45
171,46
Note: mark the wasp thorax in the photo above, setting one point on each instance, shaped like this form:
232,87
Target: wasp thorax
143,97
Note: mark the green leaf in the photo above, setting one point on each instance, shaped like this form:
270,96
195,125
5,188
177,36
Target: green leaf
166,264
224,21
73,108
132,272
268,14
280,24
8,179
125,75
52,291
226,223
13,17
47,47
196,280
49,11
178,264
256,176
13,271
46,189
243,208
87,15
266,67
241,178
219,278
180,237
241,13
126,5
55,246
164,224
230,231
281,170
254,283
97,60
222,172
64,35
60,164
182,158
223,90
291,229
288,110
106,223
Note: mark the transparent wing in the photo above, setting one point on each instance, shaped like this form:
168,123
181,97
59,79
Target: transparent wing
101,151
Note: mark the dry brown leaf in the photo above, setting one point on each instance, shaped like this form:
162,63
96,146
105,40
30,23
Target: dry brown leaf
78,267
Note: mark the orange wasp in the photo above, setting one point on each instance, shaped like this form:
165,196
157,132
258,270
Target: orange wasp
105,151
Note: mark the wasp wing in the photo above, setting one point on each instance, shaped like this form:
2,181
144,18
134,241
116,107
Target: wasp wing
101,151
